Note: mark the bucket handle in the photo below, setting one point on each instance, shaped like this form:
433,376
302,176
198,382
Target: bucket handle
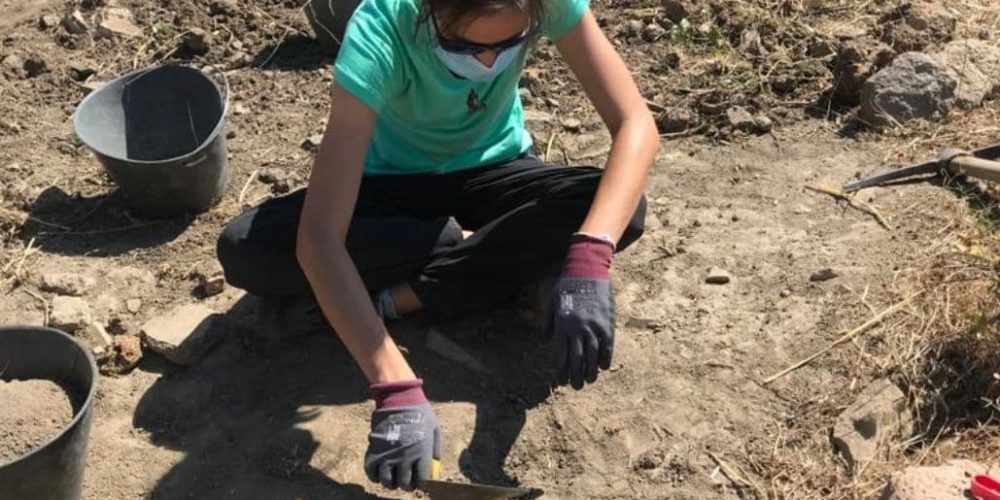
213,73
217,74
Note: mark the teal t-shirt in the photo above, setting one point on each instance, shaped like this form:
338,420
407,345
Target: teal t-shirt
429,120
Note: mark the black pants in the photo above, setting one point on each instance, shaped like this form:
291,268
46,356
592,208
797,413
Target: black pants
408,228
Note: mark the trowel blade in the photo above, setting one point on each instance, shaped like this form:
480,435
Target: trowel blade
445,490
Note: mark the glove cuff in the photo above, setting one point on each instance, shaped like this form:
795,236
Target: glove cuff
588,257
398,394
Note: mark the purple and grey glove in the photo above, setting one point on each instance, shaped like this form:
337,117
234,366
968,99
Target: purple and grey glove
405,436
582,313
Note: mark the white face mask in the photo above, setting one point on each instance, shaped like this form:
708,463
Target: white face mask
471,68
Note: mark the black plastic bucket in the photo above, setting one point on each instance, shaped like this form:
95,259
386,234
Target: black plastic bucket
54,470
159,133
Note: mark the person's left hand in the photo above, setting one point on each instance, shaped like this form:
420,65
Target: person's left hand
581,314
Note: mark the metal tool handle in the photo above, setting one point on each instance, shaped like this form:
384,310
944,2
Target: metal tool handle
975,167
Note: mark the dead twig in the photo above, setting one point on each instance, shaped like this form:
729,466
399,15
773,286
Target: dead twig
737,477
847,337
246,187
853,202
45,303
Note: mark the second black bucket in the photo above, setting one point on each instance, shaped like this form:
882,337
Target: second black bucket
159,133
54,470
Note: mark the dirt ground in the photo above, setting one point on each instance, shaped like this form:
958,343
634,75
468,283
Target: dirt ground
682,414
33,412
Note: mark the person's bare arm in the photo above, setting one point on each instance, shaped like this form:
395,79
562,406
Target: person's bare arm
321,245
610,86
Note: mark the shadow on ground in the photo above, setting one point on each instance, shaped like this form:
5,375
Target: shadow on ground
99,226
238,416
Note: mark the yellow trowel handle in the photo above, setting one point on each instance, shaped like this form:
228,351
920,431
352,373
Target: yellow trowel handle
436,469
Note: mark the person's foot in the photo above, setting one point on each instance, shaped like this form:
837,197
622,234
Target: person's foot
282,318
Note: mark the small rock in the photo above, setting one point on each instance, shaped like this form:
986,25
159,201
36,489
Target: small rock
74,23
118,21
183,335
197,42
750,43
48,21
13,62
946,482
34,65
123,357
535,119
272,175
786,293
312,143
672,59
133,306
741,119
240,109
572,124
72,284
633,28
525,94
913,86
211,279
825,274
131,280
224,7
676,119
878,415
70,314
81,70
675,10
718,276
821,47
96,337
444,347
653,32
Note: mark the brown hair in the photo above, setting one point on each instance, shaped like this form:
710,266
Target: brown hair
450,14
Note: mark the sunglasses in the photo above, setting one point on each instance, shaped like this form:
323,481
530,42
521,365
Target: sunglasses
466,47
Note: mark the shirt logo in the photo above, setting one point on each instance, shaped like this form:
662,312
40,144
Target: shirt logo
474,103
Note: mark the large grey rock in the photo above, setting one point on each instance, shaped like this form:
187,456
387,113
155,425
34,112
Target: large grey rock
975,65
70,314
914,86
945,482
878,416
183,335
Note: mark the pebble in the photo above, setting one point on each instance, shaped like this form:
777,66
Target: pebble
118,21
70,314
48,21
197,41
240,109
75,24
572,124
825,274
72,284
272,175
133,305
718,276
312,143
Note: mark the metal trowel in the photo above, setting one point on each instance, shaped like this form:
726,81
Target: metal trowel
447,490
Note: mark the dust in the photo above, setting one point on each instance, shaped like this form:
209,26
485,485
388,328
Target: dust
32,413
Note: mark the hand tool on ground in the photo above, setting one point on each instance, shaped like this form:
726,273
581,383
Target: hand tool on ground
978,163
447,490
985,487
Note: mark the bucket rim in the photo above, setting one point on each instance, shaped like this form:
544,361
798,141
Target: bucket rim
135,75
88,402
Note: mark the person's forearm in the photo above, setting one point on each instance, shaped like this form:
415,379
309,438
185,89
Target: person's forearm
346,304
633,149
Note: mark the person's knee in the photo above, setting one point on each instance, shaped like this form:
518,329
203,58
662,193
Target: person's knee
231,252
636,226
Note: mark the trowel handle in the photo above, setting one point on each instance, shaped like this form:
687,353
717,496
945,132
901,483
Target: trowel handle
975,167
436,469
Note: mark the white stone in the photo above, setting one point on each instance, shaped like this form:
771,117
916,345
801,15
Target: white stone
183,335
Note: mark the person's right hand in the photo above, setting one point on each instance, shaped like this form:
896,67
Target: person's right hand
405,437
